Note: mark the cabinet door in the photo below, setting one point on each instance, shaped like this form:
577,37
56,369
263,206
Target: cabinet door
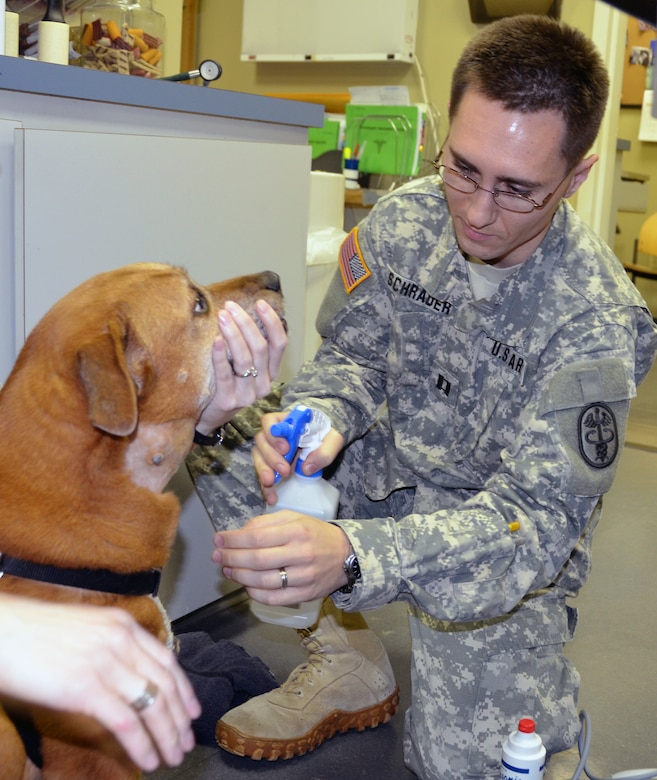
89,202
8,129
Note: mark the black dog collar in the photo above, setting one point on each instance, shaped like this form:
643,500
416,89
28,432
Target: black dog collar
139,583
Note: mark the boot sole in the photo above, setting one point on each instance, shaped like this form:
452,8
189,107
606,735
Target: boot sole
233,741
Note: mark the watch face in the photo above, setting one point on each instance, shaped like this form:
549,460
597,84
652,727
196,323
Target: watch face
209,70
352,568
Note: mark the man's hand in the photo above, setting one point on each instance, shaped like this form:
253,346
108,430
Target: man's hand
311,551
242,349
268,455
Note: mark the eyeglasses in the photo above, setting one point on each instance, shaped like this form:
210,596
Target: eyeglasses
510,201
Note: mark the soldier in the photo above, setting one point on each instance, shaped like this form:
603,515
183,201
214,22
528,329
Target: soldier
480,349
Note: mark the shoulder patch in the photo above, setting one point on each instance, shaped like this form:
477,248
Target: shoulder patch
353,268
589,401
598,435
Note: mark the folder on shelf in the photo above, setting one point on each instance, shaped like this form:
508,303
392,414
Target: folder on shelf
386,139
324,139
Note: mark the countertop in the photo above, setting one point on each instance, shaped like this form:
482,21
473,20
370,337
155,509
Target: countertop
42,78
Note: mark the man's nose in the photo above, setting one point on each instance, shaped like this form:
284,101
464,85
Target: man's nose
481,209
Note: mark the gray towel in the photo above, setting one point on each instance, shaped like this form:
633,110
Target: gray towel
223,676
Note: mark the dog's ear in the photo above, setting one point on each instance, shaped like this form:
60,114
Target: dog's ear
114,368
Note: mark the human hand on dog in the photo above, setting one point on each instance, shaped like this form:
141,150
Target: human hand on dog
311,551
95,661
268,452
245,362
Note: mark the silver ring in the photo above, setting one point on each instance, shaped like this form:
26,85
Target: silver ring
284,582
146,699
253,371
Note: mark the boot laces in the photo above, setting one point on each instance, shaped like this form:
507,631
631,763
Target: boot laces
306,671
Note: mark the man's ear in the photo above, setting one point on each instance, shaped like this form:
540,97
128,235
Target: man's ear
580,174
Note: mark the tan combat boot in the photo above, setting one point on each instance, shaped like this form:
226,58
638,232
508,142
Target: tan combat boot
346,683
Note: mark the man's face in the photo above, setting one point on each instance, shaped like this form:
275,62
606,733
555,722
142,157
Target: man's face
511,151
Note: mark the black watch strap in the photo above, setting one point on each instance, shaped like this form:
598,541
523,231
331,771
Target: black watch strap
213,440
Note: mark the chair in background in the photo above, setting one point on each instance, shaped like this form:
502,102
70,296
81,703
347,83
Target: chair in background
647,244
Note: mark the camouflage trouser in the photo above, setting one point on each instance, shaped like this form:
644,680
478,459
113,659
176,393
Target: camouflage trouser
467,699
471,683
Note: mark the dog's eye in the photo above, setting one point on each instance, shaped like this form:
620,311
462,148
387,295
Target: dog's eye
200,303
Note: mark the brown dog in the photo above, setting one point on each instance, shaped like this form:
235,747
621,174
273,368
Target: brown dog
95,418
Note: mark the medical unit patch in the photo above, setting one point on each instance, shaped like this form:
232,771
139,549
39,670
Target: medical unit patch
353,268
598,436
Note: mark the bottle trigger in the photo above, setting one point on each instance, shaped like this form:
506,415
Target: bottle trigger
291,429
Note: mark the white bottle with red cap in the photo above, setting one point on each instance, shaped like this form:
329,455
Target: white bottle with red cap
523,753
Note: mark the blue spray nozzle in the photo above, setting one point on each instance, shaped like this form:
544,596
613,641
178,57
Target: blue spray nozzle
291,429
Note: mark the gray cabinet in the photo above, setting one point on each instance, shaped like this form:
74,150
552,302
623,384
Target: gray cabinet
97,171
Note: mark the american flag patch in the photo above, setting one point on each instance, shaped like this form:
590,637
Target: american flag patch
352,266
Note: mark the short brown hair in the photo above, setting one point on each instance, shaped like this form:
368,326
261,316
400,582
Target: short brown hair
533,63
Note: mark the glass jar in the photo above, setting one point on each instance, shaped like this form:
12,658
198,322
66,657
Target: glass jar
122,36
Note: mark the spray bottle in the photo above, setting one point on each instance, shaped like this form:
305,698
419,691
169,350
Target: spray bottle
523,753
312,495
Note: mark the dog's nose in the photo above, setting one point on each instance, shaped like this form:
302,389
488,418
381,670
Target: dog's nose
271,281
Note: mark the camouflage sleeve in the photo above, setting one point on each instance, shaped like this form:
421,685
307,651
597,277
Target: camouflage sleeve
530,526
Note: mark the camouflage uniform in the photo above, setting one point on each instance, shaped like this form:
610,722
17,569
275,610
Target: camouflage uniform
466,418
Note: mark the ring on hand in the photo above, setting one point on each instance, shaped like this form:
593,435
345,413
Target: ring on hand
253,371
147,698
284,582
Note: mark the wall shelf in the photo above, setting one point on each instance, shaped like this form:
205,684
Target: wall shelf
329,30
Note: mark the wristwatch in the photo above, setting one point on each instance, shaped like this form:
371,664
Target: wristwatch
352,570
213,440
